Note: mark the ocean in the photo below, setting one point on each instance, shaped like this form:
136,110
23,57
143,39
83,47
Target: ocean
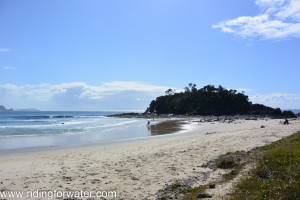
38,129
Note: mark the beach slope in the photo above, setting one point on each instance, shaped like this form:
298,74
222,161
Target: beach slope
137,169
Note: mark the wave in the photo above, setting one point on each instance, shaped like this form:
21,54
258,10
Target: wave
41,126
62,129
66,124
41,117
89,116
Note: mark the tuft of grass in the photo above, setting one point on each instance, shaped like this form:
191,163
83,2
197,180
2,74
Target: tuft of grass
233,173
226,161
231,161
174,191
175,186
277,175
192,194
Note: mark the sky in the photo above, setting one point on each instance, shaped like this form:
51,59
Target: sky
120,55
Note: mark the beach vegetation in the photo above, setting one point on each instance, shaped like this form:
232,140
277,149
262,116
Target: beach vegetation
232,162
193,193
277,175
226,161
174,191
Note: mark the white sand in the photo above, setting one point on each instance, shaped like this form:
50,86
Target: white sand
138,169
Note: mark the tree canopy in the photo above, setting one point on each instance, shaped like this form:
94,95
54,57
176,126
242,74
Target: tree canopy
210,100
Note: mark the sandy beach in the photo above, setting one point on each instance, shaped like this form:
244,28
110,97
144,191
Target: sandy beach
138,169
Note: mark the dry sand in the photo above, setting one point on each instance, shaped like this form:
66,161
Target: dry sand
137,169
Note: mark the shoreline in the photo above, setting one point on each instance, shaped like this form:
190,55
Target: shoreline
177,131
182,116
137,128
137,169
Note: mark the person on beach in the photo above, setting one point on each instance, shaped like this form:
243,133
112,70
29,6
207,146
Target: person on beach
148,123
286,121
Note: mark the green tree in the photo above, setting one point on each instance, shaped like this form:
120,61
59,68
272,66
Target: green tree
170,92
210,100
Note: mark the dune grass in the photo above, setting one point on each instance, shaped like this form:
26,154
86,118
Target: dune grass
231,161
277,175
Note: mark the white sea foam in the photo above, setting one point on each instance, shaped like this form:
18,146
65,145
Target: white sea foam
19,125
23,130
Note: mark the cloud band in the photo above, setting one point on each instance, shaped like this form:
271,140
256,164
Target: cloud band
279,19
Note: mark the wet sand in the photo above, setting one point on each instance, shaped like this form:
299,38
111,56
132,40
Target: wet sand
166,127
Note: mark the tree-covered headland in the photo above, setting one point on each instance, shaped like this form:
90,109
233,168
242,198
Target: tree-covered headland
211,100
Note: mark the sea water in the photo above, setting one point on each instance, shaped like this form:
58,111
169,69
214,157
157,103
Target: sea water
38,129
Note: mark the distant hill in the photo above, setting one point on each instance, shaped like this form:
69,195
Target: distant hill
27,110
3,109
211,100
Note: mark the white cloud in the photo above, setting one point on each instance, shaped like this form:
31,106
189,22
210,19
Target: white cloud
4,50
115,95
9,68
281,100
279,19
290,11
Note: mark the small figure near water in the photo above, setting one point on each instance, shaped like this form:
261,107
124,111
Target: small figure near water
286,121
148,123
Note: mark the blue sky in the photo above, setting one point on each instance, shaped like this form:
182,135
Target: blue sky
119,55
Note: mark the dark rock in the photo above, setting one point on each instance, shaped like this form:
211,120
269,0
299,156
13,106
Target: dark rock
262,126
212,186
264,176
203,195
134,179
